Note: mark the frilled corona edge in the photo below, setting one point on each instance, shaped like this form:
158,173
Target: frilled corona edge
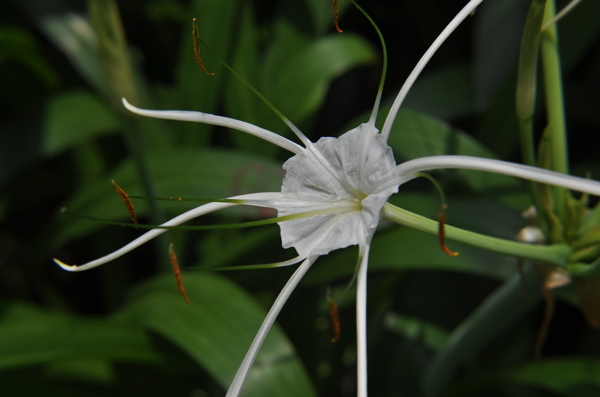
357,164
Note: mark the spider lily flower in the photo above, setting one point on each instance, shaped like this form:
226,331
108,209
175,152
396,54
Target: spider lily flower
333,195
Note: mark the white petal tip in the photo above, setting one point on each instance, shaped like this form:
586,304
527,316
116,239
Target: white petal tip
64,266
127,105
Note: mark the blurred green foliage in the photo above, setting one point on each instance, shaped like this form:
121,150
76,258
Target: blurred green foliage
124,328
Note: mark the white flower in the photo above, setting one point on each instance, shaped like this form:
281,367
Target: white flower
336,190
345,172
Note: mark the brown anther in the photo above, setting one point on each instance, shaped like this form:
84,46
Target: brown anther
197,44
177,272
334,4
126,200
442,231
335,319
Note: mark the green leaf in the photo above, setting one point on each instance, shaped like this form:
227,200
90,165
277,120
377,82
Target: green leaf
501,309
558,375
496,46
195,90
114,55
417,135
216,329
74,35
31,336
418,330
429,94
19,44
73,117
241,103
308,73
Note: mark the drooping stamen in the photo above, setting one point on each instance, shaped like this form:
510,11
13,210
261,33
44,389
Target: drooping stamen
177,272
197,44
127,201
442,231
334,4
334,317
441,214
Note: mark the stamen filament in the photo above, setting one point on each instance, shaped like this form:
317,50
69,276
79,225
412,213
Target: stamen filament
260,96
561,14
375,110
239,225
274,265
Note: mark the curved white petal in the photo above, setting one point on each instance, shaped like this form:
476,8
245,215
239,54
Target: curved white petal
457,20
206,118
257,199
360,161
361,320
242,372
407,170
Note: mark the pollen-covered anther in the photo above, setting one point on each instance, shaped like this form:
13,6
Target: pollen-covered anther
127,201
334,4
442,231
197,44
335,319
177,273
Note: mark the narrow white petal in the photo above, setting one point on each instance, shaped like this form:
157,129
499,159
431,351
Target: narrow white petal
258,199
206,118
464,13
407,170
244,369
361,321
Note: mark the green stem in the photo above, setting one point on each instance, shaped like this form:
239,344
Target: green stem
527,79
554,93
556,254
